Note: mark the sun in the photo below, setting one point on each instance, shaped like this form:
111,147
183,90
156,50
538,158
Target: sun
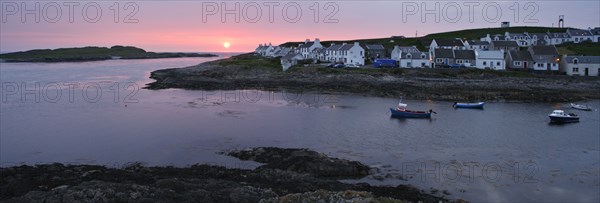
226,44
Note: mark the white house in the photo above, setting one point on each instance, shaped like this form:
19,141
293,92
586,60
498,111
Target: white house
446,44
578,36
580,65
523,40
352,54
398,50
290,60
559,38
308,46
596,33
477,45
415,60
490,60
331,53
546,58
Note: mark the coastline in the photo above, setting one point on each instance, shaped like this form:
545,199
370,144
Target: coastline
420,84
288,175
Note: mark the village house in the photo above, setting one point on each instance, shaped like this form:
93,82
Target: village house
490,60
352,54
308,46
578,36
282,51
504,45
375,51
443,57
544,57
414,59
464,58
496,37
398,50
331,53
596,33
477,45
290,60
516,59
446,44
580,65
522,39
540,39
559,38
318,54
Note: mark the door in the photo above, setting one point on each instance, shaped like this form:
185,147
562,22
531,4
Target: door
525,64
587,70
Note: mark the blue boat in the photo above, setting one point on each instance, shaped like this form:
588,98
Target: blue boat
398,113
478,105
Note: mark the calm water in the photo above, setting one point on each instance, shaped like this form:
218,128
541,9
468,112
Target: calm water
507,152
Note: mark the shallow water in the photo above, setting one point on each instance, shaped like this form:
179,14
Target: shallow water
507,152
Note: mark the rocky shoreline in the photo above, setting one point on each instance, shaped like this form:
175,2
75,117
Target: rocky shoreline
289,175
423,84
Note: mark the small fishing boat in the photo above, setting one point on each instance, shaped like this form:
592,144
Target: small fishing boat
559,116
581,107
401,112
478,105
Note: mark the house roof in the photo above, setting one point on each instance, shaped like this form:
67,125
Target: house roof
375,47
489,54
407,49
464,54
538,35
413,54
520,55
346,47
544,50
595,31
584,59
291,56
504,43
473,42
334,47
558,35
444,53
306,45
425,42
448,42
579,32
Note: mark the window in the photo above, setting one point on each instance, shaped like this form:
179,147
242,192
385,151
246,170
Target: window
575,61
459,61
438,60
408,56
498,63
540,65
517,63
485,63
422,56
575,70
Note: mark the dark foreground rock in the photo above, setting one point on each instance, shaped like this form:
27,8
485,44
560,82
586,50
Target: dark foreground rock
303,161
197,183
252,72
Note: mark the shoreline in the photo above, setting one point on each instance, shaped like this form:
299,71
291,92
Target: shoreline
417,84
299,175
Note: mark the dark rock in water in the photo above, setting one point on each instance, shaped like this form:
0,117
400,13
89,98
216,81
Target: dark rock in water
280,180
303,161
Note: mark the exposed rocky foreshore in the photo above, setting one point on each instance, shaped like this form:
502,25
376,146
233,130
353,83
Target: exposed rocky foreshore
289,175
435,84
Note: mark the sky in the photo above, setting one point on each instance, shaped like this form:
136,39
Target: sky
206,26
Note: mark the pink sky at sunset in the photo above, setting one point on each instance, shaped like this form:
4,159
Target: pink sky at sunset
178,25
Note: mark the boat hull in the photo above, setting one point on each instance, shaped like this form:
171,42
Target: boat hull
562,119
409,114
470,105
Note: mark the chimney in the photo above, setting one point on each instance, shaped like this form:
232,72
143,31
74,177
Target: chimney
306,41
344,43
332,44
356,44
317,40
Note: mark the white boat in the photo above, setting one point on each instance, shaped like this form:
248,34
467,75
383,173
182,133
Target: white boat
581,107
559,116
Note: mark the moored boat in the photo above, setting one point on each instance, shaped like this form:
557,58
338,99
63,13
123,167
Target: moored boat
559,116
401,112
478,105
581,107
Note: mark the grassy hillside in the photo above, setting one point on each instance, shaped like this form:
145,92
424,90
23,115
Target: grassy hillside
586,48
463,34
89,54
473,34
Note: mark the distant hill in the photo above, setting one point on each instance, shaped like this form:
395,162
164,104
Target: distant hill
90,54
471,34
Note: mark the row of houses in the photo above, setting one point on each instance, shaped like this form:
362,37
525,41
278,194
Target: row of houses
344,53
528,39
495,55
